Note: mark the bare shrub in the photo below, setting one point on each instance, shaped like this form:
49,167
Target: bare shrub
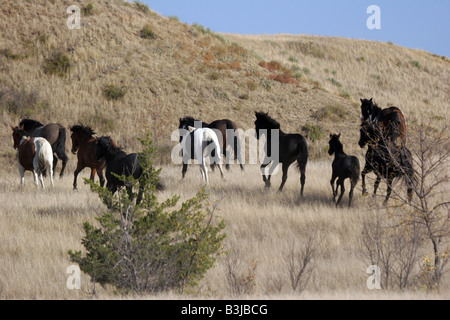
301,261
240,280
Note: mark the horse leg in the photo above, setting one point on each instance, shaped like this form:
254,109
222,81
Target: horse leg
376,184
101,177
333,179
75,175
285,168
363,178
204,171
183,172
55,162
22,175
263,173
389,190
64,160
140,193
352,187
50,170
340,183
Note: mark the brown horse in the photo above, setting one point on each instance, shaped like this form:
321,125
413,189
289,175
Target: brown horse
228,133
390,121
33,154
84,145
54,133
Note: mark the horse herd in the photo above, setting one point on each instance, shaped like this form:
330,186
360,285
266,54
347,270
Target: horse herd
383,130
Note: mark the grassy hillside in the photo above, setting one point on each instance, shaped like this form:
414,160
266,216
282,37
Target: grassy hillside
129,71
180,69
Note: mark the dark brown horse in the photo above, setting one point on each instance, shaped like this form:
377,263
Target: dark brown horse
390,121
54,133
84,145
228,133
33,154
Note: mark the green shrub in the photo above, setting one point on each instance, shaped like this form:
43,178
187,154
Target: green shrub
113,92
151,247
58,64
147,32
142,7
313,132
88,10
9,54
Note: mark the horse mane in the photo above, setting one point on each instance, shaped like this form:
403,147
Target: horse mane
83,129
266,118
107,143
28,124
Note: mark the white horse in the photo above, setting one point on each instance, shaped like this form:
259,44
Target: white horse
35,155
204,141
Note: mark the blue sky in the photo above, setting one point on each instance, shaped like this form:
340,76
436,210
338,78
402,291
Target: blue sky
416,24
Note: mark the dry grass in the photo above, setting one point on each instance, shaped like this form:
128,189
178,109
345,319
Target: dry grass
188,70
39,227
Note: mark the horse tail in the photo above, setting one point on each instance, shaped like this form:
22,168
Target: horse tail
59,147
44,155
356,169
302,158
213,138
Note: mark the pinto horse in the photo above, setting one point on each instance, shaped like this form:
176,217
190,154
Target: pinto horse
84,145
226,128
388,161
291,147
33,154
344,166
122,164
54,133
391,121
195,144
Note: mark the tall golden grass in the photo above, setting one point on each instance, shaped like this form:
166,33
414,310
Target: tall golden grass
188,70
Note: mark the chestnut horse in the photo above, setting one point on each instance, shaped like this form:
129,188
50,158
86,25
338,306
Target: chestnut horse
33,154
84,145
390,121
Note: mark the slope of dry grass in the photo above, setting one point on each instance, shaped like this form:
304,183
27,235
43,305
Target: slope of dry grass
188,70
39,227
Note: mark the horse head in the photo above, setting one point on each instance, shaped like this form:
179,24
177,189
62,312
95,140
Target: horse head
367,134
17,135
334,143
367,108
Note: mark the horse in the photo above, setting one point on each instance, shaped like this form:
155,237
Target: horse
291,147
122,164
223,126
33,154
54,133
386,160
195,143
84,145
344,166
391,121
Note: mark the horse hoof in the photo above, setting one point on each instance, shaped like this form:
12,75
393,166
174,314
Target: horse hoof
365,193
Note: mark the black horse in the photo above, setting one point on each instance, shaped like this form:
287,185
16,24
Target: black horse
224,127
121,164
55,134
344,166
386,160
390,121
291,147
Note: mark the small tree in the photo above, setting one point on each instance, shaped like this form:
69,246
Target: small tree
150,247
